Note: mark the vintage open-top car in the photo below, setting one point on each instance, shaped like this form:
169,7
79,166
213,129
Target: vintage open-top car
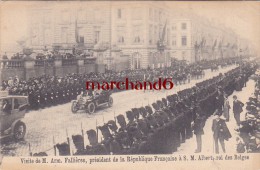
12,110
91,101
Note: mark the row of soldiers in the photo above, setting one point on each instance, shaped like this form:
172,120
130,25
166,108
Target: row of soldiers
163,126
48,90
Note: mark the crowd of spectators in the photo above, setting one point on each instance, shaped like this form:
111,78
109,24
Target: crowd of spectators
249,130
51,90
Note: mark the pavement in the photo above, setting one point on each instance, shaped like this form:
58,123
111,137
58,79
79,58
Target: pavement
207,139
53,125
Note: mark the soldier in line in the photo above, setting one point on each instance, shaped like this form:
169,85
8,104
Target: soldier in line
53,90
198,126
159,129
237,109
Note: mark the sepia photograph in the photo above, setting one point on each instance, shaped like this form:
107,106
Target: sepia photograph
99,82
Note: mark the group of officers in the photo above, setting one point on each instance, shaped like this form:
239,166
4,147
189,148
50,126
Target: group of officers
161,127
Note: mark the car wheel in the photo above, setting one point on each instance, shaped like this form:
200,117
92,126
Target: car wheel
91,108
110,101
19,131
74,107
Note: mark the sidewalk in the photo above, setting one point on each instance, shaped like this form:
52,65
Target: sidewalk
207,139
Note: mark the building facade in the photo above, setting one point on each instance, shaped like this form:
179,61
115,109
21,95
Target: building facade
136,30
181,39
130,35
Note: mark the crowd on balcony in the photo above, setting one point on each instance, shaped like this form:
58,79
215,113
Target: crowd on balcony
16,60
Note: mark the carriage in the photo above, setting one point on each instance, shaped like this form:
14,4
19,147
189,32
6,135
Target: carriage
12,110
91,102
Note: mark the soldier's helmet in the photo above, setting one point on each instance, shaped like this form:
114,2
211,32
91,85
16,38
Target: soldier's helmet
149,109
130,116
112,125
121,121
155,106
136,113
160,104
105,131
40,154
64,149
142,125
143,112
92,137
169,98
78,141
164,101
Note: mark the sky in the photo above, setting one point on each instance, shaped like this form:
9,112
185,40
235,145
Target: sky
241,16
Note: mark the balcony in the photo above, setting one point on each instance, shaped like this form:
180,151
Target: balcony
14,63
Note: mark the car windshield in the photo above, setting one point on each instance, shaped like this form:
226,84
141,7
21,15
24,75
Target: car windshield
5,106
1,105
21,100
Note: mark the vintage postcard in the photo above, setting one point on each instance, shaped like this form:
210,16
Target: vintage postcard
129,85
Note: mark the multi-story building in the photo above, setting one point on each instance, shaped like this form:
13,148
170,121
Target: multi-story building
136,30
181,39
129,35
66,26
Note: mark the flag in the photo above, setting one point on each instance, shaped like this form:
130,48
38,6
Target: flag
164,32
214,45
76,32
202,43
196,45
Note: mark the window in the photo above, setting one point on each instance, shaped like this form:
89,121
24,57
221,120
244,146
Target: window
35,38
90,15
98,15
64,35
174,27
100,58
183,26
65,16
151,34
81,15
97,36
136,14
151,13
81,35
47,36
47,19
156,16
183,40
183,55
174,40
119,13
155,34
160,16
120,34
137,33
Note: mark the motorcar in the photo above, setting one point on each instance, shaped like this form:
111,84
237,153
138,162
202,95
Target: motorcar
12,111
90,102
